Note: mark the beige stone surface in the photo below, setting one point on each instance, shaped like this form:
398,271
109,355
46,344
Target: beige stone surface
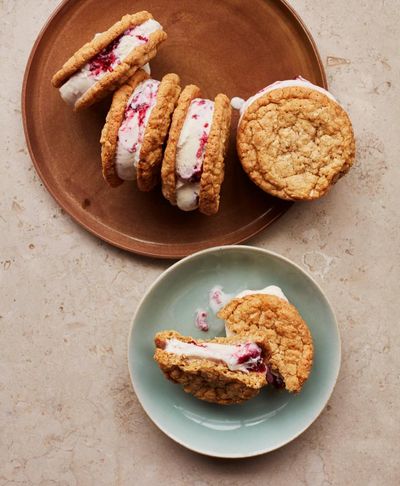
68,415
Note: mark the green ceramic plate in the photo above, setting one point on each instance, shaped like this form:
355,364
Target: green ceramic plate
273,418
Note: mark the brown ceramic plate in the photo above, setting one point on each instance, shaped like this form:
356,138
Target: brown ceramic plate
229,46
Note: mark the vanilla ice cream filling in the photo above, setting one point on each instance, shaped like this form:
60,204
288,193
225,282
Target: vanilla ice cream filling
190,152
240,357
106,60
133,127
298,82
217,298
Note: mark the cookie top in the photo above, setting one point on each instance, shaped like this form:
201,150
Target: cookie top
286,333
295,142
137,58
168,173
206,379
96,45
214,158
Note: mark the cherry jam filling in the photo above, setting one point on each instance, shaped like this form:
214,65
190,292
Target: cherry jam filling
250,356
197,344
216,295
258,367
141,111
275,379
196,176
203,142
106,59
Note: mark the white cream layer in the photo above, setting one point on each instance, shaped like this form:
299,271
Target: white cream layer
227,353
132,129
77,85
270,290
190,153
298,82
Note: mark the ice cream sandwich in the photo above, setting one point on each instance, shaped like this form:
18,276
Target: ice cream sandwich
136,128
219,370
193,165
109,59
294,140
285,332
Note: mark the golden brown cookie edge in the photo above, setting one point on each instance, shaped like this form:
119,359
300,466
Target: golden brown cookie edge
151,153
214,158
274,97
97,44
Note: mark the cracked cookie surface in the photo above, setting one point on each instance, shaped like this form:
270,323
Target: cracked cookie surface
168,169
214,158
286,333
151,153
295,143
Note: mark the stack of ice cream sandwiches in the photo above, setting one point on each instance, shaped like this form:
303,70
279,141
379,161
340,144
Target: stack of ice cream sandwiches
154,130
294,140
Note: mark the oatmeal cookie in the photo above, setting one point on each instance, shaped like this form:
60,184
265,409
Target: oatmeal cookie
149,167
168,174
214,159
295,142
286,334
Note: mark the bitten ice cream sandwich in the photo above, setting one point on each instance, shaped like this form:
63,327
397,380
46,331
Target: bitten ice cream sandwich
294,140
193,165
220,370
285,332
136,128
109,59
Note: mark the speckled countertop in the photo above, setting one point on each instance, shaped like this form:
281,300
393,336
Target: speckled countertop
68,415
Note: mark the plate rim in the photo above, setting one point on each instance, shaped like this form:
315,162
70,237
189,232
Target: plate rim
137,246
228,248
